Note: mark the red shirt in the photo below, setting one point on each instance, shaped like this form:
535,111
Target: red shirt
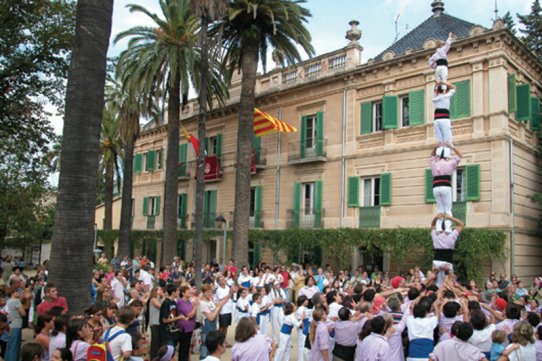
45,305
286,278
232,269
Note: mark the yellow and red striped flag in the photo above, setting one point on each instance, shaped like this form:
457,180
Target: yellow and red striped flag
267,124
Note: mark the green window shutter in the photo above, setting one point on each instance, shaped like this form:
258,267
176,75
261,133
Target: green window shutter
385,189
389,109
183,151
303,135
149,164
146,206
257,254
459,210
212,203
318,204
157,206
429,197
366,124
257,146
369,217
460,103
535,113
206,145
181,248
523,112
416,110
258,206
512,95
182,209
353,192
137,162
319,133
473,182
219,145
297,201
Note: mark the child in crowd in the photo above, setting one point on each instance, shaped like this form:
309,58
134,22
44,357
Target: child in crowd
289,322
243,303
497,347
303,314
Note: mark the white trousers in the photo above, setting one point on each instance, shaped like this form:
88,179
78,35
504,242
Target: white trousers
441,73
264,325
443,196
277,316
285,347
301,350
443,130
441,274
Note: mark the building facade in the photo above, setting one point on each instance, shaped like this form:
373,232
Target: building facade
365,134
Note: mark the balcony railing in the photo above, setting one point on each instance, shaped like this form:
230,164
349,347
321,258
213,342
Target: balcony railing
313,69
260,160
255,220
150,222
338,62
305,218
311,150
182,223
208,220
183,170
369,217
289,76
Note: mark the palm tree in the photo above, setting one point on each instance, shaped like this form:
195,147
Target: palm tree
110,154
155,55
252,27
207,10
73,233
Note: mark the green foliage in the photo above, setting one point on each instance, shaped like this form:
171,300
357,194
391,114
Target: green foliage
35,40
474,246
509,22
531,29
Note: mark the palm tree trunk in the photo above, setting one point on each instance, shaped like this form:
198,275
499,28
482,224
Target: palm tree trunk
245,135
169,241
126,205
73,233
108,203
200,181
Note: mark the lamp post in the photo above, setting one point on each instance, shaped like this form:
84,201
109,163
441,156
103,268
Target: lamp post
223,220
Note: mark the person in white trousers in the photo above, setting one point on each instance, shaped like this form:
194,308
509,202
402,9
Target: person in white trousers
279,298
288,324
441,103
439,60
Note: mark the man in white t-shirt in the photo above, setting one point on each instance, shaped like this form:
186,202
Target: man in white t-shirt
118,284
225,316
147,278
121,344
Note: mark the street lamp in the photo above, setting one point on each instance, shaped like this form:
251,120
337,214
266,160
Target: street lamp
223,220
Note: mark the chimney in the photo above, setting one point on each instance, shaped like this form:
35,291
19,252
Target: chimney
438,8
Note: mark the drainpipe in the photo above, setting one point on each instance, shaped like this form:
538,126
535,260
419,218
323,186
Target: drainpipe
277,174
512,215
343,161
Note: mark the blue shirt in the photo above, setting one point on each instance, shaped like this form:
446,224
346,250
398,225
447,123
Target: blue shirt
496,351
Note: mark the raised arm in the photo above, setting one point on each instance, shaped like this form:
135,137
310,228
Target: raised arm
458,224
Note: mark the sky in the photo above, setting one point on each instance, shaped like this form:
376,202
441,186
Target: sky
330,18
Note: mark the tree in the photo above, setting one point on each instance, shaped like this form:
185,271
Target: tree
36,38
158,55
207,10
252,27
509,22
73,233
110,156
532,29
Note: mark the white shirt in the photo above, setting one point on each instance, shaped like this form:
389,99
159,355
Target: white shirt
211,358
243,304
440,53
120,344
222,293
442,101
242,279
117,288
421,327
147,278
334,308
254,310
482,338
523,353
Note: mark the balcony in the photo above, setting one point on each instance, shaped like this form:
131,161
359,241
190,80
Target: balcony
212,169
305,218
150,222
209,221
182,223
369,217
260,160
255,220
311,150
183,170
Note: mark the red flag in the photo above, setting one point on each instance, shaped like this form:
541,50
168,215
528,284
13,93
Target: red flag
193,140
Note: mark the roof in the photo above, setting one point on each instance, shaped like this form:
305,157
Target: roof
435,27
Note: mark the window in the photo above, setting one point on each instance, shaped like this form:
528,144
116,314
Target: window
370,192
213,146
459,185
252,201
404,111
308,199
311,132
377,116
153,206
159,159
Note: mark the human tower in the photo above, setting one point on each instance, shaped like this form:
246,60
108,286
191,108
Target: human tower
445,158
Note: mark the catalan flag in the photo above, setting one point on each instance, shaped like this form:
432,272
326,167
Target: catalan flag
267,124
